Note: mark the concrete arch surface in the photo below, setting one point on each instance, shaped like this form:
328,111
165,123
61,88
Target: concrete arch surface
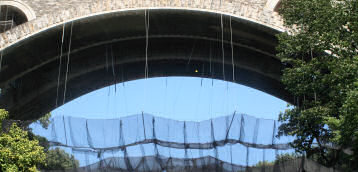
26,9
272,4
180,42
242,9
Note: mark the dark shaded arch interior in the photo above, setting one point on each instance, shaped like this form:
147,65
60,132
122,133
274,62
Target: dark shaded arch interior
180,41
10,17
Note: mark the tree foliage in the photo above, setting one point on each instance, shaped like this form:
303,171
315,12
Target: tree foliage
17,151
280,159
24,151
45,120
320,50
58,159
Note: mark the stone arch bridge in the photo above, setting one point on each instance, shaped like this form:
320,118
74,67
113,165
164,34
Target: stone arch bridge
102,42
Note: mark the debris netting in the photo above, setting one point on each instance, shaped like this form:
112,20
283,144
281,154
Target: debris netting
146,143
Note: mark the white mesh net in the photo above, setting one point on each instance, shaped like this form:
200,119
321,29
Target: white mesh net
143,142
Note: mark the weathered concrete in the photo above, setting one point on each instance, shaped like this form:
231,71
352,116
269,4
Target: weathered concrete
184,36
50,14
272,4
23,7
45,7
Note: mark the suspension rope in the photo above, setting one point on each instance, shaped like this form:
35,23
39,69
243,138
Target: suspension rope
64,128
107,58
146,70
1,59
165,97
146,42
191,54
211,72
109,87
113,71
199,95
7,10
60,63
12,22
1,51
1,54
108,98
67,66
124,91
222,41
232,167
202,75
181,81
232,53
223,50
212,81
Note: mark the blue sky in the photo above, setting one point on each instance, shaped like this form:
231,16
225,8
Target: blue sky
180,98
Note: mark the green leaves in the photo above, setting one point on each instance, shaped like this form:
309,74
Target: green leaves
321,49
3,115
58,159
23,151
45,120
17,152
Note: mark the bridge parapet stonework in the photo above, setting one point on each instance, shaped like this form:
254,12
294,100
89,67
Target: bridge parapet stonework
251,10
43,7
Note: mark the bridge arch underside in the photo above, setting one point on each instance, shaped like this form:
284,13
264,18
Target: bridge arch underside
180,42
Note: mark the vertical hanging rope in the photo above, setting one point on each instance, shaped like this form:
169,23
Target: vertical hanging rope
67,66
1,51
213,141
0,13
242,128
222,40
232,165
64,128
1,54
247,155
144,162
60,63
113,71
256,131
232,53
212,81
124,150
1,59
146,22
144,133
12,22
228,129
109,87
186,163
191,54
156,151
89,138
7,10
122,73
168,136
273,133
210,70
165,97
146,42
124,91
107,58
